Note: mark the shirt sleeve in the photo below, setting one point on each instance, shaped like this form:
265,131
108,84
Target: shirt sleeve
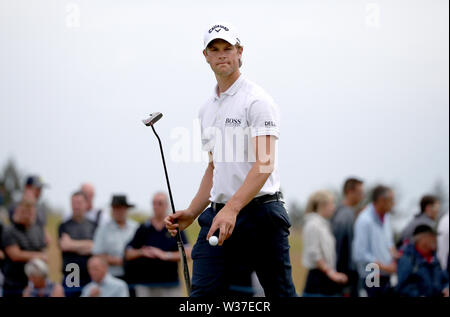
391,234
361,244
121,290
311,242
8,238
98,240
61,230
137,241
264,118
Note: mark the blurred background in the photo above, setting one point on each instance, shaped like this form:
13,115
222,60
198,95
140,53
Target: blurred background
362,88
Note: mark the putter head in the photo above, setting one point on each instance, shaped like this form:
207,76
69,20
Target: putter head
155,116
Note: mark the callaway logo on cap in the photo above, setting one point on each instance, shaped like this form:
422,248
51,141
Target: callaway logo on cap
224,31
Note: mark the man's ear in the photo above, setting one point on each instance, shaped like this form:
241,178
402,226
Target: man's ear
205,54
240,50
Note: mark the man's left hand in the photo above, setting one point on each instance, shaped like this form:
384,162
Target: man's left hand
224,221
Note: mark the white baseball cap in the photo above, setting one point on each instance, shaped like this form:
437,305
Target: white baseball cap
224,31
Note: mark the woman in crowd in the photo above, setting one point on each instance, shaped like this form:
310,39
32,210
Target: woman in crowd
319,253
38,283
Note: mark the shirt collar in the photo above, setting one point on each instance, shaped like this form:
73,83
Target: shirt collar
105,279
232,89
376,216
116,225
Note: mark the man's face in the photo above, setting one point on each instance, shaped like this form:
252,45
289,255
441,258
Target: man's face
79,205
159,206
119,213
357,194
37,192
434,210
97,270
222,57
386,202
428,242
26,211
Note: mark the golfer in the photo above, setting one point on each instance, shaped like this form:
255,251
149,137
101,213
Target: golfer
241,183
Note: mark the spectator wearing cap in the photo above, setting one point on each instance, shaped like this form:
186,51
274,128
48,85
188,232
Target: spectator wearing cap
22,241
103,284
342,224
39,284
152,255
111,238
34,185
96,215
319,253
373,241
429,213
419,271
76,241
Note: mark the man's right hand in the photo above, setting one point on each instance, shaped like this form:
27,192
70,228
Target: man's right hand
43,256
181,219
388,268
95,292
337,277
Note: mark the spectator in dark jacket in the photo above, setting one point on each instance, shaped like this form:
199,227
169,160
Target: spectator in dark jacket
419,271
429,212
22,241
76,242
151,257
342,226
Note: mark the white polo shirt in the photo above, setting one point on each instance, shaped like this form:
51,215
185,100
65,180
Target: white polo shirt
228,123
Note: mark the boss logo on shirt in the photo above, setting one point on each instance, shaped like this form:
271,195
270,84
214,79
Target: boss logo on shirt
270,124
230,122
217,28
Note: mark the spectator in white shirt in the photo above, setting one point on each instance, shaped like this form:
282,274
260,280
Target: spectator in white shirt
319,253
103,284
111,238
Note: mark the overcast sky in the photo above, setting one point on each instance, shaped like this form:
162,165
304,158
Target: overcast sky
362,88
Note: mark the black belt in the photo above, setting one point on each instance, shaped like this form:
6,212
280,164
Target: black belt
264,199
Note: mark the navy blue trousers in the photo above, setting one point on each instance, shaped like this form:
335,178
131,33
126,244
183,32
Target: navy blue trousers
259,243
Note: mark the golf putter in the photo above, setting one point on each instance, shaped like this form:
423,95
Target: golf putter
150,121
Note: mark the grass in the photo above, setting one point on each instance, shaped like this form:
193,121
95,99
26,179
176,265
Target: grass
295,241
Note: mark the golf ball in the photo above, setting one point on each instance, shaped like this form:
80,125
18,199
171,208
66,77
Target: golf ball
213,240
